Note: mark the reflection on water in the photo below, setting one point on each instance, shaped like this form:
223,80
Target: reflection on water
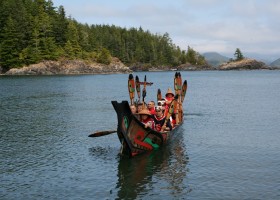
167,167
104,153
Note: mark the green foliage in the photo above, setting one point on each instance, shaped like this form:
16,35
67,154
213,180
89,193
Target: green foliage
238,55
9,48
35,30
194,58
104,57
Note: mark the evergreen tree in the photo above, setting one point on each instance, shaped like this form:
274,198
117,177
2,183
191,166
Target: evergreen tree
191,56
9,49
104,57
238,55
60,24
72,47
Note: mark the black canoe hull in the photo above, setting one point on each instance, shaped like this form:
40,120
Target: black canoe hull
134,137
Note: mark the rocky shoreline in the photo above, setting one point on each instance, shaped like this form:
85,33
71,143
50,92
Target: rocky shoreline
70,67
76,67
245,64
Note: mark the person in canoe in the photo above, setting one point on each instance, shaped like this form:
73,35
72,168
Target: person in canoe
151,107
159,119
169,96
140,107
133,109
146,118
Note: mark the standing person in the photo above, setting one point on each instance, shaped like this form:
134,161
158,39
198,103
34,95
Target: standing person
159,119
146,119
151,107
169,96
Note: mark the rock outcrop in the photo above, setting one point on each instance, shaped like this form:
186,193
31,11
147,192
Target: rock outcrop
68,67
245,64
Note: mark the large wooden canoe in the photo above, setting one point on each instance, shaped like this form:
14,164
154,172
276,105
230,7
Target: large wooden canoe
134,137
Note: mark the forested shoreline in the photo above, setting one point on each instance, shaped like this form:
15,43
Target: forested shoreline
33,31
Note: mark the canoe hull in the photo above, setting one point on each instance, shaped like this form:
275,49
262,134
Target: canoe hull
134,137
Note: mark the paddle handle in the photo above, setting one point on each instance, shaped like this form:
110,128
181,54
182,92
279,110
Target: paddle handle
131,88
102,133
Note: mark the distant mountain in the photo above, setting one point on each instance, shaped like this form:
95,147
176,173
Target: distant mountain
275,63
266,58
215,59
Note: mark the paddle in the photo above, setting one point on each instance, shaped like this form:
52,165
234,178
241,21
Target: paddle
179,83
131,88
137,87
184,90
176,84
144,92
147,83
170,111
101,133
159,96
180,108
177,88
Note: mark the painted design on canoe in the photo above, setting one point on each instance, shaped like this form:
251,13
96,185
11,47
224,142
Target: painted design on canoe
134,137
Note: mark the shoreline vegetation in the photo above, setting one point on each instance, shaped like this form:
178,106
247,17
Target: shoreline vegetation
80,67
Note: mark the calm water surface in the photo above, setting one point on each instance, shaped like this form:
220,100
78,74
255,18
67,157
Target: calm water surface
228,147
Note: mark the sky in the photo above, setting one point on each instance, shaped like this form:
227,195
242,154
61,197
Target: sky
219,26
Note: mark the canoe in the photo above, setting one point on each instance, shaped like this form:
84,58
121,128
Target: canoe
135,139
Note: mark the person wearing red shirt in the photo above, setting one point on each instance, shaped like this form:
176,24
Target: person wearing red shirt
151,107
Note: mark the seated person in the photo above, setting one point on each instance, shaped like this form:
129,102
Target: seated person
151,107
161,103
140,107
159,119
133,109
146,119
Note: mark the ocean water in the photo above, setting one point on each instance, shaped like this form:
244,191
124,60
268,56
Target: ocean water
227,148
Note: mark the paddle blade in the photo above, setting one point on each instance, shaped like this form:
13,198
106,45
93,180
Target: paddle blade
138,86
131,86
144,93
159,96
184,90
101,133
179,82
176,82
171,109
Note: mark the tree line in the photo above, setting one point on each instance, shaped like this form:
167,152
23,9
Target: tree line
34,30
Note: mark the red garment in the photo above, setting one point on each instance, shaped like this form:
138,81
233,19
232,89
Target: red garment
152,111
167,105
150,122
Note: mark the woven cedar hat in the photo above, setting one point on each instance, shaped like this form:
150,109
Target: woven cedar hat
169,91
144,112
